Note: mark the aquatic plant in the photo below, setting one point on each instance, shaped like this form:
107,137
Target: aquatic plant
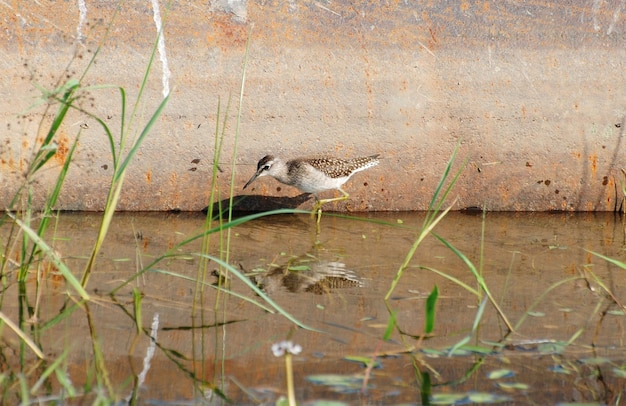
30,253
36,253
288,349
433,217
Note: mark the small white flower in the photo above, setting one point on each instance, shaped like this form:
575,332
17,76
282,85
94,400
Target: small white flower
279,348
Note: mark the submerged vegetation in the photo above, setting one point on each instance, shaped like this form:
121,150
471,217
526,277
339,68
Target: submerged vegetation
33,373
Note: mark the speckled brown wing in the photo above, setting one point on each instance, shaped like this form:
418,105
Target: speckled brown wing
338,168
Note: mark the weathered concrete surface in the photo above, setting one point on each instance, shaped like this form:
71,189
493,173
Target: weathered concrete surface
535,93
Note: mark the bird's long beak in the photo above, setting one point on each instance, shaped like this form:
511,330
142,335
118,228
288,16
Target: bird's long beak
256,175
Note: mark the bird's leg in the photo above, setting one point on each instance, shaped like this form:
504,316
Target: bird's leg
317,208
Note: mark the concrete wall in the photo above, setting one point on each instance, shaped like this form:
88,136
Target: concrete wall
534,92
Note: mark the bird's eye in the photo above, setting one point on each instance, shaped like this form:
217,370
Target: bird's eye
266,167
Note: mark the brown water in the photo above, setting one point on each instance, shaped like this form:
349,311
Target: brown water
569,348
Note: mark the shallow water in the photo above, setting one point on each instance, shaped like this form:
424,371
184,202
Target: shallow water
568,343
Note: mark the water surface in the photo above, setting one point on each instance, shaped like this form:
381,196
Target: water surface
564,302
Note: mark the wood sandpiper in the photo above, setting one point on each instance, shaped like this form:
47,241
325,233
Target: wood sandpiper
314,174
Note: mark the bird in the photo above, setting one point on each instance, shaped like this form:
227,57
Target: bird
314,174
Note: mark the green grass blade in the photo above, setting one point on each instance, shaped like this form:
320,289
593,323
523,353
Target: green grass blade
137,296
52,199
479,279
433,202
45,152
25,398
102,373
173,252
49,371
122,124
26,339
231,224
218,140
116,190
453,279
146,75
101,43
258,291
68,310
609,259
575,336
608,291
477,318
391,324
438,198
425,388
131,154
542,296
433,216
221,289
463,258
479,314
237,126
407,259
65,382
459,344
53,257
107,217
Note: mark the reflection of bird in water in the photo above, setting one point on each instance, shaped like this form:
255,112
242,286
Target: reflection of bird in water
309,276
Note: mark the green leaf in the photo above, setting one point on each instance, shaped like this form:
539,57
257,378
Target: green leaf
483,397
620,373
299,268
446,398
513,385
477,349
338,383
616,312
466,398
433,353
366,361
551,348
500,373
430,310
456,348
594,361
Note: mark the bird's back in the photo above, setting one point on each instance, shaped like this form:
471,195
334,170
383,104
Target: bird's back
316,174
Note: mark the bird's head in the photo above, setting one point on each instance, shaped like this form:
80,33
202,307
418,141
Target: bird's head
264,167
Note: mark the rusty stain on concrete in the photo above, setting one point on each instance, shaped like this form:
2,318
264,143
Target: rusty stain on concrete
63,148
593,159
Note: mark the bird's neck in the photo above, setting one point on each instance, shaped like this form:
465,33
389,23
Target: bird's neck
280,171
